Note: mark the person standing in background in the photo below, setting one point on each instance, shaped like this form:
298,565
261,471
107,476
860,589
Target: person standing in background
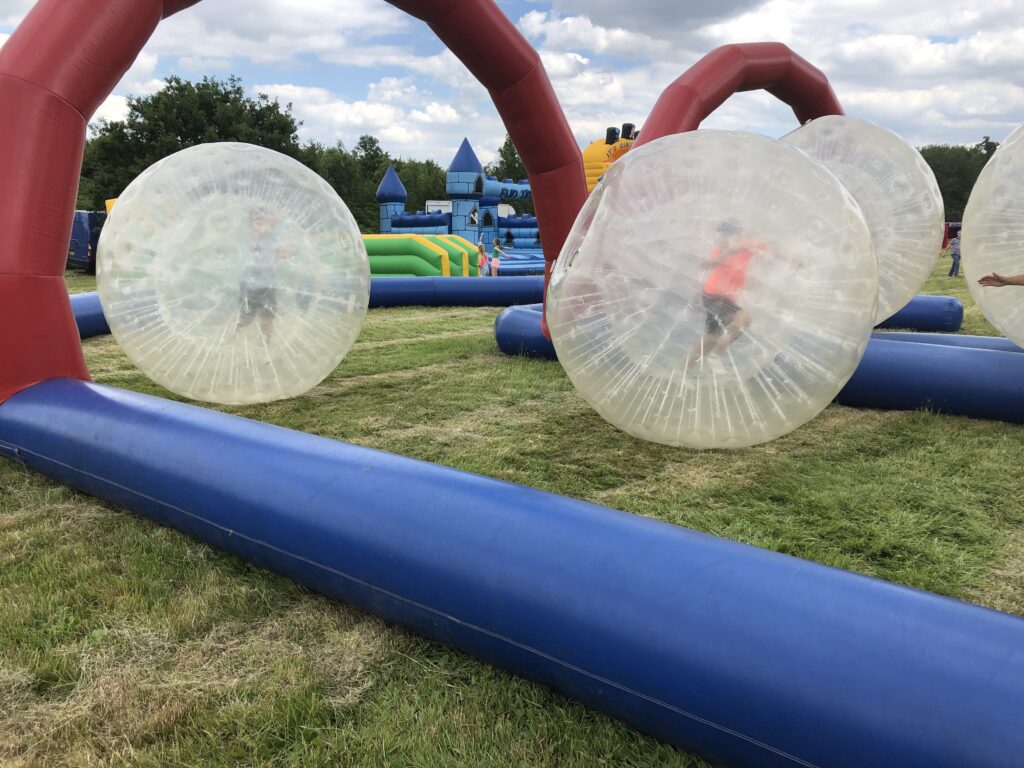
481,259
496,254
954,251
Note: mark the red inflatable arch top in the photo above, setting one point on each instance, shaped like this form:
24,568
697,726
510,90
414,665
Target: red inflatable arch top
66,57
706,85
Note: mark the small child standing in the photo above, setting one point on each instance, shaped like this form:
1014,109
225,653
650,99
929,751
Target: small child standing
481,259
496,255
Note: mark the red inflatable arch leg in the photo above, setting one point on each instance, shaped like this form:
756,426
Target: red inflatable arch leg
703,88
56,68
491,47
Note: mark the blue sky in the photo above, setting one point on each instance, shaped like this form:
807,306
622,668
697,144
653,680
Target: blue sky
932,70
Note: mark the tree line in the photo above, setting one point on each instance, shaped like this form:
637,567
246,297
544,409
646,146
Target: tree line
184,113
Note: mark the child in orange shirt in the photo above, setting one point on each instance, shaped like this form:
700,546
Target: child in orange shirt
726,320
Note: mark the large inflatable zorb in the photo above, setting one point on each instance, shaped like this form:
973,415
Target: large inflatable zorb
743,304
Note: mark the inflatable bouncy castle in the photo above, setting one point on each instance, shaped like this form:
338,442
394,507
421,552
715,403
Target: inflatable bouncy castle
599,155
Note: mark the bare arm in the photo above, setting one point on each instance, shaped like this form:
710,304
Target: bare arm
996,280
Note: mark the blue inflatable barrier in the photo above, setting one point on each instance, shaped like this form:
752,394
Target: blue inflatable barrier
951,340
933,314
979,377
962,381
89,315
748,657
384,292
455,291
517,331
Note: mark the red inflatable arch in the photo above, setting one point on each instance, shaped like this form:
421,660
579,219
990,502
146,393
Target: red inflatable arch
66,57
706,85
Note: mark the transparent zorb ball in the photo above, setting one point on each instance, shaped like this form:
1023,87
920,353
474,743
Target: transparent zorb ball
233,274
992,238
717,290
897,194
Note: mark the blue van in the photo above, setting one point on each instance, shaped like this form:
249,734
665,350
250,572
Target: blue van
85,234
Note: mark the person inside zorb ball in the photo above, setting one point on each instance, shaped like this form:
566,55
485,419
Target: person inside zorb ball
233,274
717,290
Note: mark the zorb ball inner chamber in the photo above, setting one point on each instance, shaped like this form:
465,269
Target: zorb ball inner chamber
233,274
717,290
992,238
897,194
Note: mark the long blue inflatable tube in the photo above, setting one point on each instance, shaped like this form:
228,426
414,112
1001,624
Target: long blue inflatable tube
455,291
973,376
962,381
749,657
932,314
384,292
997,343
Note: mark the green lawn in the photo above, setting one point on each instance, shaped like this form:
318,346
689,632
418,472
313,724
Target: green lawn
125,643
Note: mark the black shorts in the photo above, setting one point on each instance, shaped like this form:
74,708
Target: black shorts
258,302
721,312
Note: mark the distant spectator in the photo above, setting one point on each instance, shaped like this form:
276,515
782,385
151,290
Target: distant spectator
496,254
954,251
481,259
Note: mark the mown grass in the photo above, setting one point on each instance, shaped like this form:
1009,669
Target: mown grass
125,643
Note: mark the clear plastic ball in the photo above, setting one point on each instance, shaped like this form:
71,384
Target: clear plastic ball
992,238
897,194
233,274
717,290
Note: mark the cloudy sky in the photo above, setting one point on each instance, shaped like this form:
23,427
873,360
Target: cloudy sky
935,71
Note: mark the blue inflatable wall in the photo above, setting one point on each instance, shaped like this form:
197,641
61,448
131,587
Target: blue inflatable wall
932,314
455,291
384,292
974,376
748,657
951,340
962,381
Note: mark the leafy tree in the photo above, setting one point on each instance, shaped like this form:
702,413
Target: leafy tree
423,180
180,115
356,174
956,169
509,165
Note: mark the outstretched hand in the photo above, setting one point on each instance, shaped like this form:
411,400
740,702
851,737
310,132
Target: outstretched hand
994,280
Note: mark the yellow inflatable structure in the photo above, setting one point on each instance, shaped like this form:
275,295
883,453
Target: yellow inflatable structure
599,155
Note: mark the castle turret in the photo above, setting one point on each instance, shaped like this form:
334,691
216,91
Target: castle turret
391,195
465,188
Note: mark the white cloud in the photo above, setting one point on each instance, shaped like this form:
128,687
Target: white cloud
12,11
579,33
933,70
407,129
436,113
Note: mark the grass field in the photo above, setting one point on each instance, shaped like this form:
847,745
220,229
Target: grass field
123,643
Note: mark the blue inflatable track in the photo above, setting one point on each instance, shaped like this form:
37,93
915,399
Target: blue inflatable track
748,657
981,383
455,291
89,315
951,340
384,292
931,314
975,376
